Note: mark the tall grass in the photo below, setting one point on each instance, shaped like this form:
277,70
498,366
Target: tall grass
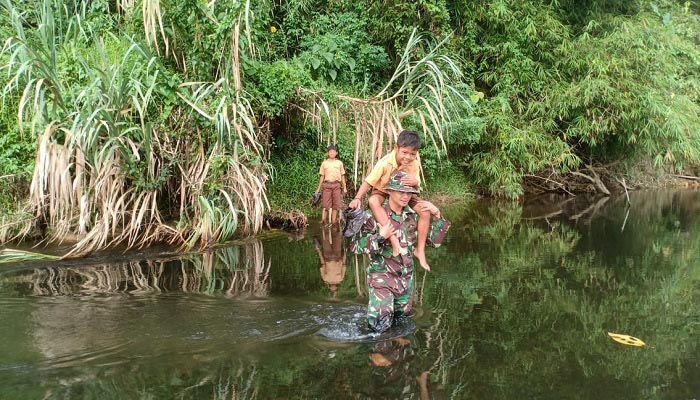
107,166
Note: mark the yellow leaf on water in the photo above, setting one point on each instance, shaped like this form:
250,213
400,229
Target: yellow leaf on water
626,339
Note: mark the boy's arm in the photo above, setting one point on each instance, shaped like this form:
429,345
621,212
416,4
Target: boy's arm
322,175
320,182
358,196
342,178
320,257
431,208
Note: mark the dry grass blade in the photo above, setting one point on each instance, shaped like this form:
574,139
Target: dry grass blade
11,256
153,24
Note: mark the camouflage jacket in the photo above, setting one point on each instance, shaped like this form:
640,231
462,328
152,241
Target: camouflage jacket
369,241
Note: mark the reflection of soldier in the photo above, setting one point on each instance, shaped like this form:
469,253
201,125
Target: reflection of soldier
398,357
332,257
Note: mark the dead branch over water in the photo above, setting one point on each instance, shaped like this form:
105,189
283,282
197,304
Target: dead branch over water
590,179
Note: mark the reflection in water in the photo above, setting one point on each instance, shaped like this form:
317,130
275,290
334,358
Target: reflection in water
333,258
395,355
233,271
518,305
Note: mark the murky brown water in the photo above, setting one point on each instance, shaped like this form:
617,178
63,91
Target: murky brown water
518,305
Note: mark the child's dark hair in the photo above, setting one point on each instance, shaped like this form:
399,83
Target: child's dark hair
408,139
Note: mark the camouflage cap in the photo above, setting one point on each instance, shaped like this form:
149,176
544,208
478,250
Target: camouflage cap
396,184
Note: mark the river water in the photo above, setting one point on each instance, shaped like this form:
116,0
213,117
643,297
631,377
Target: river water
518,305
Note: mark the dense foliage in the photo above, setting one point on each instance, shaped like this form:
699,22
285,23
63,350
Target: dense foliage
557,85
236,93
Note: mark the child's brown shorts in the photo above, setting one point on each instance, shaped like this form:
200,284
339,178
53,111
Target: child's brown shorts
331,196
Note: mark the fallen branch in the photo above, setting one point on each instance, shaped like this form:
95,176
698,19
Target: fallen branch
546,216
622,182
593,209
692,178
595,179
561,185
627,214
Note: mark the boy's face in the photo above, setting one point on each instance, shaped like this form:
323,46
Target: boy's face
405,155
332,153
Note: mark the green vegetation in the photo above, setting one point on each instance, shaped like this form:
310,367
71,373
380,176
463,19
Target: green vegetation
120,117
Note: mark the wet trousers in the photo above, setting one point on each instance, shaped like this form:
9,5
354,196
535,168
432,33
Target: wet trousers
390,296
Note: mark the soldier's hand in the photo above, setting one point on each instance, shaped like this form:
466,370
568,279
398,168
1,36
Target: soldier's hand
354,203
386,230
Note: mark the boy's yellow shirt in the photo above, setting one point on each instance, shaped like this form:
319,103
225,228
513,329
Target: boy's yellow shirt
380,174
332,170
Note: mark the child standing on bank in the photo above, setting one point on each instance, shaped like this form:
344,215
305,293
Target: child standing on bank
332,174
402,158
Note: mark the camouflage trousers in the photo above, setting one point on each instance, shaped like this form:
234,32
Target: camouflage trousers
390,296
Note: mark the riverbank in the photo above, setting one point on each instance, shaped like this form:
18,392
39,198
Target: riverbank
451,188
444,191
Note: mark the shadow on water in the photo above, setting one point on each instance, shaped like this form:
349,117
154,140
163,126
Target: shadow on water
518,305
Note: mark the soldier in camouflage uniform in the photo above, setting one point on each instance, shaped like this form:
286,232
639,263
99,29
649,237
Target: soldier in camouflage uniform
389,278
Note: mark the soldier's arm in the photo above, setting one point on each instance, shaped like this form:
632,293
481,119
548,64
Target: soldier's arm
370,240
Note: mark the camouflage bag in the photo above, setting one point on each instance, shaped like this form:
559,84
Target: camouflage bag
354,218
437,232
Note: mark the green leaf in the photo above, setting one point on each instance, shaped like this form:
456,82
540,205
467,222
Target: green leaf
328,56
351,64
315,63
476,97
333,73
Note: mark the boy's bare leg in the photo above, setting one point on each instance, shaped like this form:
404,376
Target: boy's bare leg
375,204
423,227
423,384
335,215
